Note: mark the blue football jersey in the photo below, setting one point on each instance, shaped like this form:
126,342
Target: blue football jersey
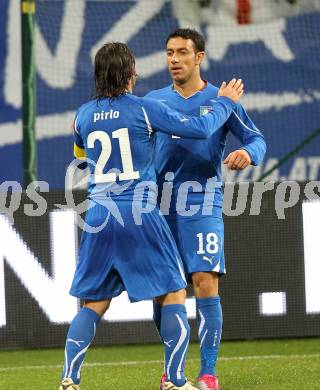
116,138
199,161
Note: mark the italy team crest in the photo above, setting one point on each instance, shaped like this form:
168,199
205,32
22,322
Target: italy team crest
205,109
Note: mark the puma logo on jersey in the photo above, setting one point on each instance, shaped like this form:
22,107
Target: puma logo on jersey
104,115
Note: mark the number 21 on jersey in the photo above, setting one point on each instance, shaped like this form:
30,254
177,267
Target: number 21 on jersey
106,150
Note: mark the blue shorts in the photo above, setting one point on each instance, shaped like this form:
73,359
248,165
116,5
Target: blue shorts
200,241
143,260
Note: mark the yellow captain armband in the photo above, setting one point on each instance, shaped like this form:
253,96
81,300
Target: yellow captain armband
78,152
28,7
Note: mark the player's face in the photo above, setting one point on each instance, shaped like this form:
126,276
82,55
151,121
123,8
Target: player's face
182,60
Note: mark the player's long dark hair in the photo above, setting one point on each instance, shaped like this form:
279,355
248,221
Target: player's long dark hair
114,66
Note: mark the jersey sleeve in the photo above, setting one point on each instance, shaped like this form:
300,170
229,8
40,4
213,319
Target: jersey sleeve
252,140
164,119
78,145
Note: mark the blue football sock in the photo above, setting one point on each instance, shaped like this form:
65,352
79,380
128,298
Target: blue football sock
80,335
157,317
175,333
209,314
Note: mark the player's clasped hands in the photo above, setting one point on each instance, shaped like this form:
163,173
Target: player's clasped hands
233,90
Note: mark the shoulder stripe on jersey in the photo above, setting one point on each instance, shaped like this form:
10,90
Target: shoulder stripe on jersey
243,124
75,126
150,129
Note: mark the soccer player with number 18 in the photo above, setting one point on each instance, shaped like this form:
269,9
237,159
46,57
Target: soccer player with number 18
200,237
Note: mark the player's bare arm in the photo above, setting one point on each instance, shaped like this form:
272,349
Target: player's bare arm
233,90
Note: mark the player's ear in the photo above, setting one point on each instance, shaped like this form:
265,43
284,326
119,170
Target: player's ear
200,57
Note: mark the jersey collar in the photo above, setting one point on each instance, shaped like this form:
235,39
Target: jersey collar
199,91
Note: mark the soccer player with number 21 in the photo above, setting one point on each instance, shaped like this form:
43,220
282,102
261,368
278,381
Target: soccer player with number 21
127,244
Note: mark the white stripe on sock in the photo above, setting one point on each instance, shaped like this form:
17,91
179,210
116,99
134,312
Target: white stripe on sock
181,361
83,351
66,363
182,338
204,336
94,333
202,323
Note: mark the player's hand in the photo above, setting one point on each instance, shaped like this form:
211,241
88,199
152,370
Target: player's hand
233,90
238,160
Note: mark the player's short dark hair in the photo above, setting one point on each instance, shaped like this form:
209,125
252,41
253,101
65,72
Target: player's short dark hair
189,33
114,66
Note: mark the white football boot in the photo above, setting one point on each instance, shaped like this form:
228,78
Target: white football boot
67,384
171,386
